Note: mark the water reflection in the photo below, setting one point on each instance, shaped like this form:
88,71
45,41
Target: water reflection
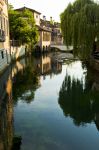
47,65
21,85
20,81
79,97
25,82
26,75
6,112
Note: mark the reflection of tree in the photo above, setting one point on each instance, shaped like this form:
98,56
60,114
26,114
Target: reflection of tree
78,101
26,82
17,143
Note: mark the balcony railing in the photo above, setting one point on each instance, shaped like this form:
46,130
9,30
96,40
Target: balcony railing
2,35
15,43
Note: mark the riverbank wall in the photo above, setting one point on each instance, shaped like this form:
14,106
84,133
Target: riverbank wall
17,52
4,59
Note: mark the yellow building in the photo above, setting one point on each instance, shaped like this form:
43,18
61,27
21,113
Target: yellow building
44,38
35,13
4,35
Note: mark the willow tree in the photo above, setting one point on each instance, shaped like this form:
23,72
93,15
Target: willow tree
80,26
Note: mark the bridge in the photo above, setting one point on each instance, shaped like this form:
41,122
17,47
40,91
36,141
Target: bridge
62,48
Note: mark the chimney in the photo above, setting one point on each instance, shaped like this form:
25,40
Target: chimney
50,18
44,18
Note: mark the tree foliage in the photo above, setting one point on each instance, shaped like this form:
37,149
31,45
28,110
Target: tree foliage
80,25
22,26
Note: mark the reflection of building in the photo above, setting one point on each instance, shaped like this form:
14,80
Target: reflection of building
47,65
4,35
42,64
56,67
6,111
6,105
6,124
3,82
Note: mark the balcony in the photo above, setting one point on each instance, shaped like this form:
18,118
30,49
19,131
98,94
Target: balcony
2,36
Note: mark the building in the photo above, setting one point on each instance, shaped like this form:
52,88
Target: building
35,13
4,35
56,34
44,38
49,31
44,32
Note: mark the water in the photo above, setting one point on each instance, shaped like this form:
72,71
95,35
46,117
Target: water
50,105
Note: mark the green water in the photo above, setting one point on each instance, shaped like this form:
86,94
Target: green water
56,105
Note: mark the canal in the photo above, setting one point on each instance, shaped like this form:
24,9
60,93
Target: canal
49,105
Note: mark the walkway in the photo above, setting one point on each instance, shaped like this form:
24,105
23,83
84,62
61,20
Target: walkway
63,48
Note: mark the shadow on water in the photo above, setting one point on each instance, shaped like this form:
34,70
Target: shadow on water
17,141
79,99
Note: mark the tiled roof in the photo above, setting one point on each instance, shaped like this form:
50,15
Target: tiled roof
22,8
43,29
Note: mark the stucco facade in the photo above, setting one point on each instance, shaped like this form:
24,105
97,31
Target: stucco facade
4,35
35,13
44,38
37,18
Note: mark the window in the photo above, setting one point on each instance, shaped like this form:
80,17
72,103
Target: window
4,24
36,16
7,28
2,54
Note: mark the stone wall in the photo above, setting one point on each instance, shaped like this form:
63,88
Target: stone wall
4,59
17,52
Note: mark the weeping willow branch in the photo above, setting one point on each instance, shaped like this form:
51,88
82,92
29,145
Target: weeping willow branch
80,26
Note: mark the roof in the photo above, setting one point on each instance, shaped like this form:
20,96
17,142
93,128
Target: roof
43,29
48,23
22,8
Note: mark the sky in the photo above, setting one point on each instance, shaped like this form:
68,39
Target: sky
47,8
